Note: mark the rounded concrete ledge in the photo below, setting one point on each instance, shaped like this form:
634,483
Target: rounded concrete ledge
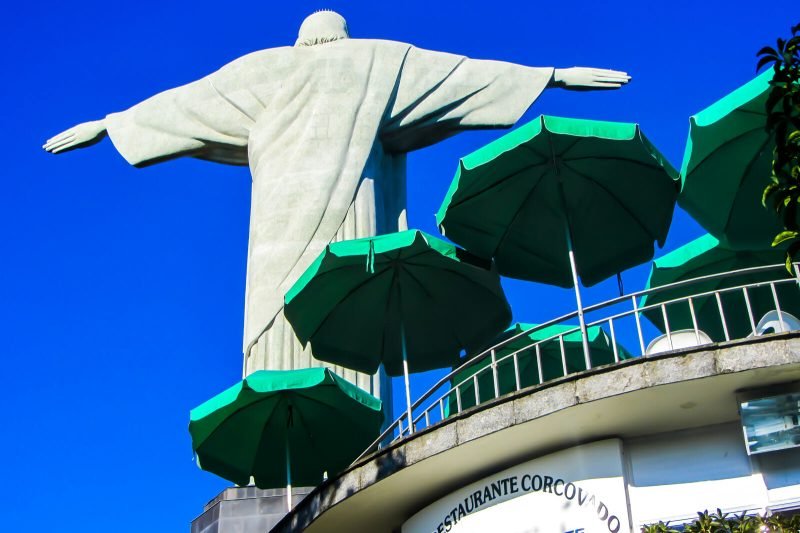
642,396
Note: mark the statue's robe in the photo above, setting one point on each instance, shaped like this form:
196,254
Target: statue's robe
325,130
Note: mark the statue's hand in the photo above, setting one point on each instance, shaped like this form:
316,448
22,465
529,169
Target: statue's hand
589,79
79,136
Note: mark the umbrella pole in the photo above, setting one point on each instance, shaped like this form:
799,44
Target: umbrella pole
405,376
581,320
288,475
573,268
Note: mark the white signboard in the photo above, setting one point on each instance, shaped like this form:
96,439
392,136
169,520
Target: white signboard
579,490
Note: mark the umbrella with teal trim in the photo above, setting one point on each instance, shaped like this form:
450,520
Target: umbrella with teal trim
561,198
727,165
705,256
406,300
525,340
284,426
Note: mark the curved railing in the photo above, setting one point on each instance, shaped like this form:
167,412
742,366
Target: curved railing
497,371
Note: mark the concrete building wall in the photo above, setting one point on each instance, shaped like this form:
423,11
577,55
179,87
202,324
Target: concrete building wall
245,510
674,475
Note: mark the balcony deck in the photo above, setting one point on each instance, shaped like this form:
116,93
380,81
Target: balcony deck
642,396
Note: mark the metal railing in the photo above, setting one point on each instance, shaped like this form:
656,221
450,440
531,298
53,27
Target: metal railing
620,320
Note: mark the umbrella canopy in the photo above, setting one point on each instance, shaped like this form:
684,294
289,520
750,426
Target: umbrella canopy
705,256
601,183
356,300
304,421
549,342
727,165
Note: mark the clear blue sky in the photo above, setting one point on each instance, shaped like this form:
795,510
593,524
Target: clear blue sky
122,289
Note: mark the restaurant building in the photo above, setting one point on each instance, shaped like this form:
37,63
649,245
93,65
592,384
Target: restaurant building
611,449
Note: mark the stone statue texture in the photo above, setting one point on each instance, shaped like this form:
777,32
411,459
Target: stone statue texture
324,126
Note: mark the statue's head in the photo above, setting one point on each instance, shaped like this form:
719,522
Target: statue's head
322,27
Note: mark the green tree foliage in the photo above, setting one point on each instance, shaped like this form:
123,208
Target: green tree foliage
783,120
720,522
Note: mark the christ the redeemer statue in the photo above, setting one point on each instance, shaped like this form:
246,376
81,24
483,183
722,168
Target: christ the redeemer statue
324,126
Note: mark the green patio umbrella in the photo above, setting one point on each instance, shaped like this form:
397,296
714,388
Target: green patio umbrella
705,256
560,198
549,340
408,300
727,164
284,426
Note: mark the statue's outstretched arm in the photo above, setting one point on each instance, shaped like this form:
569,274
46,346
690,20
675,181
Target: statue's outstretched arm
588,79
80,136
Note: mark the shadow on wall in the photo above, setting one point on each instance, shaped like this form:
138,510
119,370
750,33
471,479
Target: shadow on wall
779,469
